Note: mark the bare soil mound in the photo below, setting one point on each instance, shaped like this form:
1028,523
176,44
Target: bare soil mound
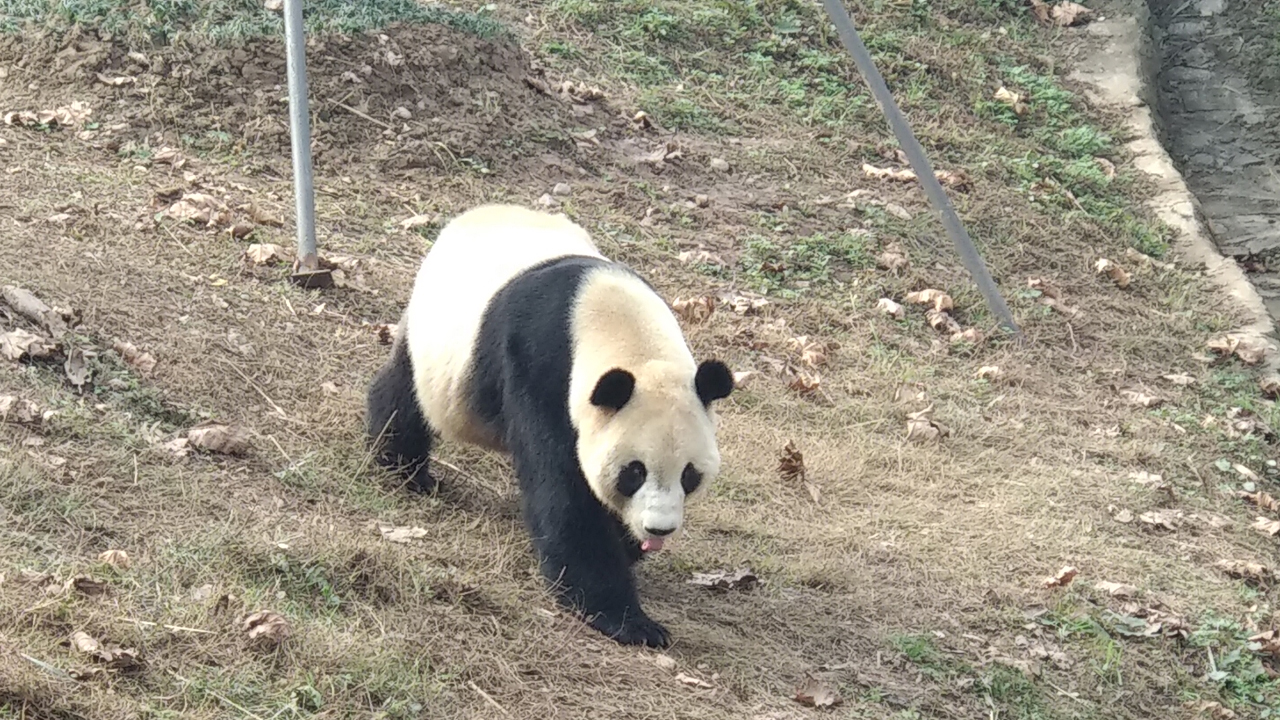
409,96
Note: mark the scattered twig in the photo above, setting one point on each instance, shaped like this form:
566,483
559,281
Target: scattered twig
256,388
487,698
221,698
171,628
359,114
54,671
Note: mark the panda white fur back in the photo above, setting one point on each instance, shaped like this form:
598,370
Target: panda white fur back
520,336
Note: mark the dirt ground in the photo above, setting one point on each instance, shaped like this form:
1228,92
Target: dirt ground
902,573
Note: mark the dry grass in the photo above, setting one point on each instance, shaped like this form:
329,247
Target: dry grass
912,584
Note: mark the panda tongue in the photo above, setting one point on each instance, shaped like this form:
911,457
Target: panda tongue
651,545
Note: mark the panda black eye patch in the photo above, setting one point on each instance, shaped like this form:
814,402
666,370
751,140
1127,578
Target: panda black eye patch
690,479
631,477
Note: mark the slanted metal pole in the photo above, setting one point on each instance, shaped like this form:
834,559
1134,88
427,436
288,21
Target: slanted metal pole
306,271
920,164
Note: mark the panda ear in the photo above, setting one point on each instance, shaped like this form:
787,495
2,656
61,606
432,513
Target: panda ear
713,381
613,389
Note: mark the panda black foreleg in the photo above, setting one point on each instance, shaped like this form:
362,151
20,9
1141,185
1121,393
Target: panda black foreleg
579,549
398,431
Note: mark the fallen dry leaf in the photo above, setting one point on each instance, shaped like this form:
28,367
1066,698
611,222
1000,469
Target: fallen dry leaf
112,656
17,410
17,345
694,310
921,427
817,694
216,437
262,216
1263,500
665,662
1182,379
1046,288
743,378
745,305
266,254
169,156
1063,578
1270,386
143,362
693,682
1266,643
118,559
876,173
1066,14
86,585
931,296
267,627
791,463
812,352
76,367
1107,167
401,533
34,309
893,259
1118,275
970,335
1266,526
805,383
1123,516
199,208
1141,399
987,372
941,321
1245,570
1114,589
1250,350
1166,519
1012,99
386,332
418,221
891,308
724,581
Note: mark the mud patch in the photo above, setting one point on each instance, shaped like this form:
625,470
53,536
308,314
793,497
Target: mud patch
407,97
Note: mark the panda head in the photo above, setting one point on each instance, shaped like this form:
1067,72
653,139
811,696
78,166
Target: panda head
649,443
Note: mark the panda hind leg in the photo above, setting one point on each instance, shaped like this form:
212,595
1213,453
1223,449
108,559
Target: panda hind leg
399,435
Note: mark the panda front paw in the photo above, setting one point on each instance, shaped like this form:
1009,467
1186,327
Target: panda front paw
634,630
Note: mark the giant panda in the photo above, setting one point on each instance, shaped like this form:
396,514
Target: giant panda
520,337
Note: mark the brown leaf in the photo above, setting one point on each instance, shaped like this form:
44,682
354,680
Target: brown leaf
693,682
812,352
76,367
817,694
1182,379
34,309
262,216
973,336
694,310
743,378
1266,643
700,257
418,221
216,437
386,332
1123,516
115,558
267,626
1263,500
745,305
723,581
891,308
143,362
791,463
1251,351
876,173
921,427
1012,99
1245,570
17,410
1266,525
988,372
19,344
86,585
805,383
1062,579
1046,288
1270,386
1118,275
893,259
85,643
1066,14
941,321
200,208
401,533
169,156
266,254
1166,519
1117,590
1141,399
931,296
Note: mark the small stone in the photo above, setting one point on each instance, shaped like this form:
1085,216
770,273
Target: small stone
561,189
719,164
701,200
402,113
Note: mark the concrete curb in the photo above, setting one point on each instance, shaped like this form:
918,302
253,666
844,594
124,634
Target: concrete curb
1119,65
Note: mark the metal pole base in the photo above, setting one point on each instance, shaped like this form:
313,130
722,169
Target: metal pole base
307,273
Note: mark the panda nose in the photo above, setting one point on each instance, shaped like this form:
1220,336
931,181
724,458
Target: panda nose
659,532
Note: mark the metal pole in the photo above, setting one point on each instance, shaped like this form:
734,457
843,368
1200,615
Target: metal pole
920,164
307,266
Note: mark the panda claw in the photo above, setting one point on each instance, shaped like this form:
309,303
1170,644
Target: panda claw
637,631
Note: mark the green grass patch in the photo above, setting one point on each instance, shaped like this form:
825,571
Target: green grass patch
229,21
